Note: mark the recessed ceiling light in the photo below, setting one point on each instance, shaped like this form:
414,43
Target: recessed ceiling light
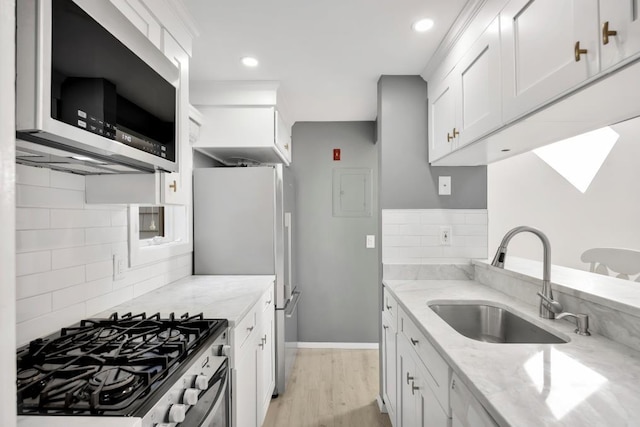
249,61
422,25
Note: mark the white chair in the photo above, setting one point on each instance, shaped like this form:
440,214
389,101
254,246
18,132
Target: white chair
617,262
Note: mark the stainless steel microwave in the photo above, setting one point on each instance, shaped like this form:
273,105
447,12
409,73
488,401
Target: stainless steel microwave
93,94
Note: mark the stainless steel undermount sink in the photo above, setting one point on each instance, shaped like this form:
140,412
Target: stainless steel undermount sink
492,324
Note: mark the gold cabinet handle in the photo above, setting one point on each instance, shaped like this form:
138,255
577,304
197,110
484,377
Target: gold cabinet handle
578,52
449,137
174,186
606,33
286,147
455,132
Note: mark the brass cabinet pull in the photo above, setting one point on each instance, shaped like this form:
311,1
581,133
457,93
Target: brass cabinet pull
174,186
606,33
578,52
449,137
455,132
286,147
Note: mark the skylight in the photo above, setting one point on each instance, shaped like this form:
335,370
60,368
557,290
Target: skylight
578,159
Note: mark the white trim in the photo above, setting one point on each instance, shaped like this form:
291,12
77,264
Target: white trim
340,345
381,405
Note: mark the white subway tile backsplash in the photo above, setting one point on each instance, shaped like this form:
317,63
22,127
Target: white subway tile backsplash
64,255
469,230
99,270
69,181
79,218
38,240
32,176
62,258
400,231
30,196
81,292
44,325
96,236
29,308
32,218
33,262
104,302
40,283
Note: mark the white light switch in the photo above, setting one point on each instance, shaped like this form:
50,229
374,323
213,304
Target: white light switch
371,241
444,185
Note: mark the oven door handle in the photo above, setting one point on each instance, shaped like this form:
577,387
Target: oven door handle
198,415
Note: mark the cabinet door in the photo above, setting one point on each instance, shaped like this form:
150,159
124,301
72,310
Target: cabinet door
389,385
244,395
539,41
266,365
142,18
406,414
442,116
429,411
283,137
480,101
175,187
622,17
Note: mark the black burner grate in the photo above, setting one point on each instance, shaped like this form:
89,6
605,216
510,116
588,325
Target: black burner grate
107,366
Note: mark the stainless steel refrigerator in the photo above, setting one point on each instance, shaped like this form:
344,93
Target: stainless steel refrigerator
243,223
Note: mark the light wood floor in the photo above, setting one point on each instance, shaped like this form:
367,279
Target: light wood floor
330,388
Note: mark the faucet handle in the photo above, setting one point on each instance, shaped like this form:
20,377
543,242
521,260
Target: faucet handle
582,322
551,304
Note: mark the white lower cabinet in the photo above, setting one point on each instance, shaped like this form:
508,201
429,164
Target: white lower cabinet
253,364
418,405
389,353
419,388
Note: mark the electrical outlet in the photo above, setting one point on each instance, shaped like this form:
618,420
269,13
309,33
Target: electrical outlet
371,241
119,265
445,236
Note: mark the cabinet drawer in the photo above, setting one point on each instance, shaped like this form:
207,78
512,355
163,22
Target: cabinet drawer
466,409
390,308
245,328
438,370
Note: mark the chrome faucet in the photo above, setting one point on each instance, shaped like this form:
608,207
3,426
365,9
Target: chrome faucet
548,306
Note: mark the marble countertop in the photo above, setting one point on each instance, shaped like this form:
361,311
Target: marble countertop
589,381
221,297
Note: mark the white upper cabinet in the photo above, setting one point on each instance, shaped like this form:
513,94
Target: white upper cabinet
442,117
479,72
235,134
466,105
142,18
619,31
548,48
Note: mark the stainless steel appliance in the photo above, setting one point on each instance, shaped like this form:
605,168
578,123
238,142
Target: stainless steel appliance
93,94
243,222
153,371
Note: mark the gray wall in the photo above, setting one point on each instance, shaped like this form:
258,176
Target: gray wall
407,180
338,276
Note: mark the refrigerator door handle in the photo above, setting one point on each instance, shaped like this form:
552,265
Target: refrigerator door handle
291,305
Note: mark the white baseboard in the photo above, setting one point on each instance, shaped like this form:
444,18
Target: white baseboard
381,405
341,345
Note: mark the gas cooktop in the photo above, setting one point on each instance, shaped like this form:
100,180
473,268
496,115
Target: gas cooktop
110,366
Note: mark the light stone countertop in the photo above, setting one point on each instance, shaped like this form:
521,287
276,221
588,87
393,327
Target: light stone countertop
219,297
589,381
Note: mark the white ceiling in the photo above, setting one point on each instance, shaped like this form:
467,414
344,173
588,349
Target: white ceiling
327,54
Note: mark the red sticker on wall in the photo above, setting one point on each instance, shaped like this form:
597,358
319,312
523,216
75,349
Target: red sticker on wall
336,154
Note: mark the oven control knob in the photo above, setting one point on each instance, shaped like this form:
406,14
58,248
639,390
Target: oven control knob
190,396
202,382
226,350
177,413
